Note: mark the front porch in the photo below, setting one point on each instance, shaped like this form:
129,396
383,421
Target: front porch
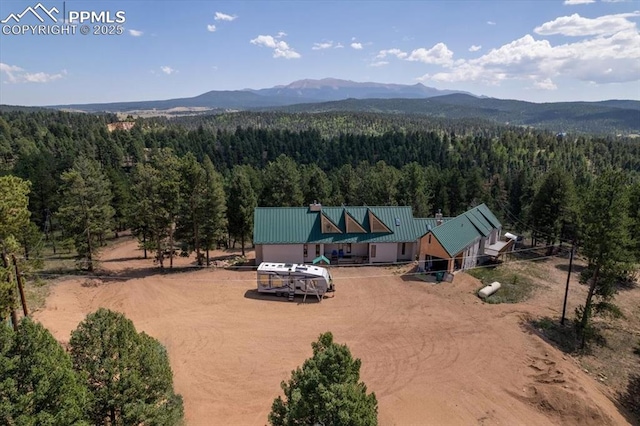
347,254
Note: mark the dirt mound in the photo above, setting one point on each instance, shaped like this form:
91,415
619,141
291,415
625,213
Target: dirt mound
559,395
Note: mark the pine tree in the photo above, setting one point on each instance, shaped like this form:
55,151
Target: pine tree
38,385
241,205
553,206
14,218
157,201
282,184
604,243
192,211
127,373
413,189
86,212
215,221
326,390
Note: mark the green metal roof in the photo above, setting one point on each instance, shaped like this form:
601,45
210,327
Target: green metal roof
298,225
461,231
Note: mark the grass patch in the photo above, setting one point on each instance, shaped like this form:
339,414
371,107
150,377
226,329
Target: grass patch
36,292
515,287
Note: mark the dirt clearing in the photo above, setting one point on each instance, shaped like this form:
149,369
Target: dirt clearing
433,354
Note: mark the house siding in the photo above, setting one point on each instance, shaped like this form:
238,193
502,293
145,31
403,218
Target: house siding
291,253
409,251
385,253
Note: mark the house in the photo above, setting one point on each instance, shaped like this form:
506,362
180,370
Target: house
460,243
342,234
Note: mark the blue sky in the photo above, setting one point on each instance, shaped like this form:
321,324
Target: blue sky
540,51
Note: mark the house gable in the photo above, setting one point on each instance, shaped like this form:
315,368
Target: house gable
351,225
327,226
432,247
376,225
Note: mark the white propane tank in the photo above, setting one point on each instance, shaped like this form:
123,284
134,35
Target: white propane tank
511,236
488,290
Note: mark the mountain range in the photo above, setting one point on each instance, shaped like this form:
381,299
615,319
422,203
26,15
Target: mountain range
301,91
330,94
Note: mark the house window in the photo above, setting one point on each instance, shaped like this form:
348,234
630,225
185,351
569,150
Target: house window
373,250
404,248
349,248
305,250
317,250
429,240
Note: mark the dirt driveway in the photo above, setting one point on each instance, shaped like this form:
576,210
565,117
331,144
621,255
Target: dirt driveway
433,354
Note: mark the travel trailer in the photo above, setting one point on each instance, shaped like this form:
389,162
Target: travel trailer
290,279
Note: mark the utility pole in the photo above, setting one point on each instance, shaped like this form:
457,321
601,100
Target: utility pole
566,290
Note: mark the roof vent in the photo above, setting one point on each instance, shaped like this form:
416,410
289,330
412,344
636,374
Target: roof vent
397,221
315,207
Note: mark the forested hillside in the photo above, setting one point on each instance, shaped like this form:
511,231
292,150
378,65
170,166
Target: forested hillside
152,172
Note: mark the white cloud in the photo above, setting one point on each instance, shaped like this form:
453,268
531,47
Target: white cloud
338,46
391,52
490,23
211,28
545,84
168,70
600,59
323,45
574,2
357,46
16,74
281,34
135,33
378,64
219,16
474,48
438,54
576,25
280,48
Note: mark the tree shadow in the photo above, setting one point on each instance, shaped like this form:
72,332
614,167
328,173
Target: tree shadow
563,337
577,269
628,402
123,259
256,295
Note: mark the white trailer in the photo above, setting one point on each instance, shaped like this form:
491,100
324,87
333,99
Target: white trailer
289,279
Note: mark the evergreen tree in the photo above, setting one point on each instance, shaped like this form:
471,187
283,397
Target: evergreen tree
346,185
38,385
14,218
316,186
127,373
282,184
241,205
604,243
326,390
157,202
168,164
553,206
414,190
214,201
86,212
192,209
379,184
121,189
